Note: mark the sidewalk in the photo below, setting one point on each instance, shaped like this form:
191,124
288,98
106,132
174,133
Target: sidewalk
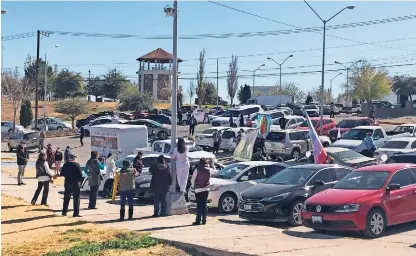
227,234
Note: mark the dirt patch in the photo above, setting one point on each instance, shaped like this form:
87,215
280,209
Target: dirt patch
34,230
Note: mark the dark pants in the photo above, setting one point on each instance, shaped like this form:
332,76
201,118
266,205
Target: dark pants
201,206
216,147
332,114
81,140
191,130
41,141
74,190
126,195
205,117
160,203
45,186
93,196
242,124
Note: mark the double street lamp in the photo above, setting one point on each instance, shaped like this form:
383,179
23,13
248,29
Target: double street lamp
348,69
330,87
46,82
254,76
280,68
323,58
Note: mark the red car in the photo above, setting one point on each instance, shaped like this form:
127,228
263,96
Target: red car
328,125
368,200
347,124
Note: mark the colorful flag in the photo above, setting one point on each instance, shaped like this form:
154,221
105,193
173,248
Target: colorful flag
319,153
244,150
264,122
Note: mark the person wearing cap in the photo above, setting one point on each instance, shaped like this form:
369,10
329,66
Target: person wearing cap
138,163
44,175
159,185
127,185
22,157
73,177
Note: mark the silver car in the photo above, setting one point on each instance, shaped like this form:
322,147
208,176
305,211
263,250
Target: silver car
30,138
7,127
53,124
289,143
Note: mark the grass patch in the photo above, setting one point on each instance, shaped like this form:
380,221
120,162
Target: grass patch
76,231
123,241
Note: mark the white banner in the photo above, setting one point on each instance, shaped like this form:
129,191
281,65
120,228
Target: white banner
244,149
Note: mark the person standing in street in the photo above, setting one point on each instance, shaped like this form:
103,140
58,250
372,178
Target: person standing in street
22,156
231,120
200,181
180,156
81,135
58,160
241,120
127,186
206,110
331,110
180,116
370,147
44,175
216,137
42,137
73,177
159,185
67,153
94,178
282,122
49,155
192,125
138,162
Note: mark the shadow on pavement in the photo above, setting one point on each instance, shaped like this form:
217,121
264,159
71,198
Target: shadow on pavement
54,225
413,246
401,228
211,212
248,223
311,234
10,206
162,228
26,219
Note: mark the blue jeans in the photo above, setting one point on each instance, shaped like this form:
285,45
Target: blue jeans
160,203
126,195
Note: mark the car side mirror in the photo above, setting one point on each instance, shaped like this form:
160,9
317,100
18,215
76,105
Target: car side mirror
244,178
392,187
318,183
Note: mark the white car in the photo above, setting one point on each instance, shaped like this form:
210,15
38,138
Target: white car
102,120
311,110
198,113
7,127
205,140
236,112
291,122
396,145
227,184
229,138
275,114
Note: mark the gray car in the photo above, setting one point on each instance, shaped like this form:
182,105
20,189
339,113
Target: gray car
30,138
53,124
162,131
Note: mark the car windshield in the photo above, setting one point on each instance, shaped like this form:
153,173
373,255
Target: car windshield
230,171
356,134
403,129
209,131
57,120
367,180
119,163
291,176
346,155
157,124
347,123
396,144
305,123
276,136
310,107
226,114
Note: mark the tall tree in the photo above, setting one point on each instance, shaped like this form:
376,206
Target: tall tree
232,78
15,89
191,91
405,85
69,85
26,114
95,86
72,107
133,100
114,82
30,74
244,94
315,93
210,93
200,77
291,89
369,83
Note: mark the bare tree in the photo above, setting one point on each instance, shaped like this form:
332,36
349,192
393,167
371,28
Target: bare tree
191,91
200,89
15,89
232,78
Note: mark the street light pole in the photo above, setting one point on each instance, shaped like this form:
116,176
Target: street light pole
280,68
254,76
46,82
323,60
2,48
348,69
331,83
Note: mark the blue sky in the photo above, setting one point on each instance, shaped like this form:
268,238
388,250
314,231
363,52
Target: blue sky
147,18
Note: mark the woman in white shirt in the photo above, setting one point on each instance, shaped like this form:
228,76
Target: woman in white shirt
110,164
44,175
180,155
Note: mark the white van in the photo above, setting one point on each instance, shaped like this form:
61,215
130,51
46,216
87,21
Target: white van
246,111
229,138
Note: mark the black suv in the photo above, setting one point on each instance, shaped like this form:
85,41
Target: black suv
281,197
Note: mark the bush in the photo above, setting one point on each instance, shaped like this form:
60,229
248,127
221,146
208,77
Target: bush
26,114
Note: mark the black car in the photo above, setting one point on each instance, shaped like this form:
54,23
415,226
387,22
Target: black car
85,121
403,158
163,119
281,197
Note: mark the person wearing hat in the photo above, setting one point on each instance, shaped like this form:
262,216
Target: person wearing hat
159,185
49,155
22,156
138,163
73,177
127,185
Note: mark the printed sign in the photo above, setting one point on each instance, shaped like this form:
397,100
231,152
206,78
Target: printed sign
244,149
264,123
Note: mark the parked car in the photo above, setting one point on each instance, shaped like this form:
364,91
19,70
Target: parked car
368,199
311,110
205,140
198,113
31,138
346,110
356,108
287,143
140,115
327,110
102,120
82,122
328,124
246,110
7,127
274,114
289,110
53,124
229,138
396,145
347,124
403,128
281,198
227,184
403,158
291,122
163,119
348,157
162,131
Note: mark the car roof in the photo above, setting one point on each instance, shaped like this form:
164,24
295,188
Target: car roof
256,163
414,125
244,107
335,149
293,116
168,141
373,127
386,167
406,138
313,166
273,111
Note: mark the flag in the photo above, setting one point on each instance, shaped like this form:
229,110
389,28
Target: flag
339,133
264,123
244,149
319,153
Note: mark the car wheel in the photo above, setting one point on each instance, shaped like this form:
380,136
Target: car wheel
295,218
375,224
108,189
162,135
295,154
59,129
227,203
10,148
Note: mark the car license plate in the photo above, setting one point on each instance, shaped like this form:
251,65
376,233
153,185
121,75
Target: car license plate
317,219
247,207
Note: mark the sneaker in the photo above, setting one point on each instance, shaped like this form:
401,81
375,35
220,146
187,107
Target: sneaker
77,216
196,224
63,214
22,183
155,215
45,204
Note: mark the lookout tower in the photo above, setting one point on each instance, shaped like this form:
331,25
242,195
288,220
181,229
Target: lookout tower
155,74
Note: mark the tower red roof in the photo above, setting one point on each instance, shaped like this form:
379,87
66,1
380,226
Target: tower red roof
159,54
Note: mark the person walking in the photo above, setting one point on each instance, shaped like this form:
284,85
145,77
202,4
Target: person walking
58,160
49,155
331,110
180,116
231,120
67,153
216,137
192,125
44,175
206,110
73,177
159,185
180,156
22,156
94,178
42,137
81,135
241,120
200,181
138,162
127,186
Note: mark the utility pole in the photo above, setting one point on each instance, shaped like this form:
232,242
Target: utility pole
217,84
89,82
39,33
